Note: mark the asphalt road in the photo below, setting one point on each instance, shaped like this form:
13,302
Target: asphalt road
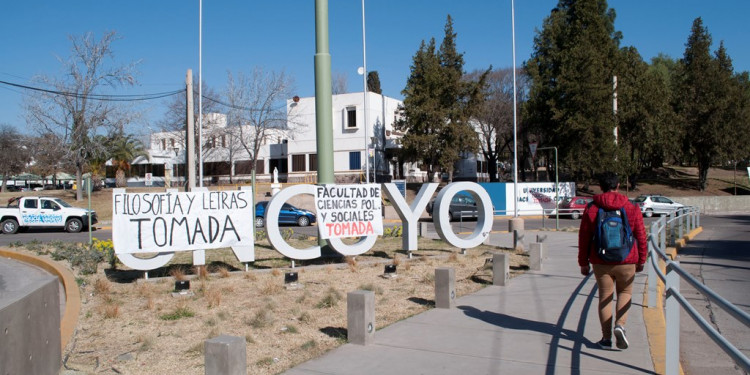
719,257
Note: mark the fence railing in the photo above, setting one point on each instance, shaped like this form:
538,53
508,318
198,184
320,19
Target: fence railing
672,228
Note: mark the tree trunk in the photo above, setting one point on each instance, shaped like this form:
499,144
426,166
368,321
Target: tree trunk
704,162
492,169
120,179
79,188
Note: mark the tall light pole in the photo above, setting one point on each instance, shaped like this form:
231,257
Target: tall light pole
200,93
364,90
515,121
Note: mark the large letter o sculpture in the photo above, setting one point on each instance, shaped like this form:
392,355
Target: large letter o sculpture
441,214
272,223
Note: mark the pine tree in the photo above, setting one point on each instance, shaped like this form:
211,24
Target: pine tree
373,82
570,101
437,106
707,101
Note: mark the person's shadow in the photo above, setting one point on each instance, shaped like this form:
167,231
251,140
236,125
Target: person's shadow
576,338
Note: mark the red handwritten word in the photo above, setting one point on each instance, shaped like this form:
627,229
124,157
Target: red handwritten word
352,229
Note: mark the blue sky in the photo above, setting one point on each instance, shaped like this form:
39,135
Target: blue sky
279,35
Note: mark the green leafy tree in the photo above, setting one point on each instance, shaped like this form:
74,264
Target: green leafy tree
123,150
438,104
570,101
645,118
709,101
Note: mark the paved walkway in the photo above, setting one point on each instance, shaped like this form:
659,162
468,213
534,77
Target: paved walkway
543,322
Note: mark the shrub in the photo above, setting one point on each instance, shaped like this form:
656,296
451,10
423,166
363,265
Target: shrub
262,318
331,299
79,256
107,250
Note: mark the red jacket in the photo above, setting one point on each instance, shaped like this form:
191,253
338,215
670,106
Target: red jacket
611,201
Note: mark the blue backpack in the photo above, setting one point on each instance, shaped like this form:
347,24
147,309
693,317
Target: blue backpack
613,238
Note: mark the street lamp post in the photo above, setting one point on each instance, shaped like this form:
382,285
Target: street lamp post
364,84
557,189
515,120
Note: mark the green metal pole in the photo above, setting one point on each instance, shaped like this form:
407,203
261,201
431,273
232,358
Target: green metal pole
323,95
323,105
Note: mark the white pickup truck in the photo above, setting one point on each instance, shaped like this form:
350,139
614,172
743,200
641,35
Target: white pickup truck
43,212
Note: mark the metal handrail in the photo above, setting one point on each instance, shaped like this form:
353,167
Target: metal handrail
683,221
733,310
713,334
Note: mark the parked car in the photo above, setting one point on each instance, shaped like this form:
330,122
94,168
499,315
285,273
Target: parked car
462,205
656,204
574,206
288,215
43,212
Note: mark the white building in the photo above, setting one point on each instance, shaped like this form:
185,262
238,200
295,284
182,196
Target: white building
292,151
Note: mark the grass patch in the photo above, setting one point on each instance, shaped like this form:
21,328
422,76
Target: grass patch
177,314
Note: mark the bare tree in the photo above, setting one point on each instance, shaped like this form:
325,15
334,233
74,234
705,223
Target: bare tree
15,153
339,83
72,109
258,109
495,117
50,155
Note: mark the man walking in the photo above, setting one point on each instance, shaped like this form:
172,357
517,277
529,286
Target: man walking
612,276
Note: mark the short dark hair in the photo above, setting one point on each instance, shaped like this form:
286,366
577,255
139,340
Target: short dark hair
608,181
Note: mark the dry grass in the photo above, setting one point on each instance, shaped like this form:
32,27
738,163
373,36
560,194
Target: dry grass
102,286
178,273
165,332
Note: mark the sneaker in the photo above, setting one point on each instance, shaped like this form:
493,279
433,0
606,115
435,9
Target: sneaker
620,338
605,344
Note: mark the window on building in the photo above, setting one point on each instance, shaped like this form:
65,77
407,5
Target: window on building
313,162
216,168
260,166
223,141
298,163
351,117
355,160
172,141
163,144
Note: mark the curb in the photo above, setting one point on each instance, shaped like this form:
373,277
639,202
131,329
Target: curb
69,319
654,317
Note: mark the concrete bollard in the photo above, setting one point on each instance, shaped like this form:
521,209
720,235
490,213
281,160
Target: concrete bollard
536,253
225,355
515,224
500,269
360,317
516,227
445,288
